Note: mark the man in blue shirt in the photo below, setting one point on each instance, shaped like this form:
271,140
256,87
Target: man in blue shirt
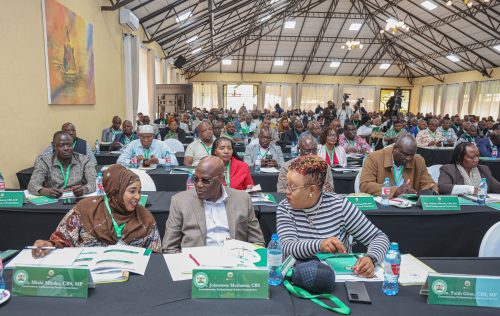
485,145
148,151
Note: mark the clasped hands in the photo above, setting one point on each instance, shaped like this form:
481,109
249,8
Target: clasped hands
78,190
151,161
364,266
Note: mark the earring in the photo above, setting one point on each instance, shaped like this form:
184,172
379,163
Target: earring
310,195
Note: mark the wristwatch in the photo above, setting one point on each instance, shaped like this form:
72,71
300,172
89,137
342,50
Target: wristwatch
374,259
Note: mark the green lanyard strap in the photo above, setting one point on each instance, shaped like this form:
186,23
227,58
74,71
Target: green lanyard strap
65,174
301,293
332,155
207,149
118,229
146,154
265,153
398,175
228,175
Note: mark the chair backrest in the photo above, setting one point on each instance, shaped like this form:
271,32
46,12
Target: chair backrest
175,145
434,172
490,246
356,182
147,183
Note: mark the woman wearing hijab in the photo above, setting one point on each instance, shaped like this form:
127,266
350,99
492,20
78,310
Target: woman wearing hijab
116,218
237,174
464,174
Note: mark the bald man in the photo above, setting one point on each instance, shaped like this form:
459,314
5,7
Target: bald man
79,145
486,144
211,213
406,170
109,134
307,146
202,147
431,136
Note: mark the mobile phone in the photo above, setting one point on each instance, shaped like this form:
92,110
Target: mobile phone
357,293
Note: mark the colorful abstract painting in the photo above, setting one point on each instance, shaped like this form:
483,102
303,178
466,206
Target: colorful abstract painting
70,55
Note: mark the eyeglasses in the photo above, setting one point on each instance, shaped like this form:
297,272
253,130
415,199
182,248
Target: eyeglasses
309,151
292,189
203,180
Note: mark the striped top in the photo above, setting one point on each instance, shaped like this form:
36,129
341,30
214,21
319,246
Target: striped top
332,216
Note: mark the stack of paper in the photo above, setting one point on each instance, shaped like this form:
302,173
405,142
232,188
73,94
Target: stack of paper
491,198
263,199
181,170
413,271
398,202
39,200
269,170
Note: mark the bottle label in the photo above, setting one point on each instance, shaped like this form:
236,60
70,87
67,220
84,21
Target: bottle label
274,260
392,269
386,191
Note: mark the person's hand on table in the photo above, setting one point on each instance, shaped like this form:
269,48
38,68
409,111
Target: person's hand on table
350,150
78,190
139,158
271,163
50,192
433,143
153,160
38,252
405,188
364,267
332,245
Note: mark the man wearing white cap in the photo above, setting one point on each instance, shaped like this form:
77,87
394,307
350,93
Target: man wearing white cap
147,150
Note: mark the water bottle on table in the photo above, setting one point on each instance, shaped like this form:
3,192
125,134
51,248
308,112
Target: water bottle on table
274,260
386,192
258,163
168,161
190,182
482,192
293,149
392,263
2,282
2,182
97,147
494,152
99,186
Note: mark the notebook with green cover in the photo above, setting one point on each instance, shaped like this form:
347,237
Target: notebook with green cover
342,264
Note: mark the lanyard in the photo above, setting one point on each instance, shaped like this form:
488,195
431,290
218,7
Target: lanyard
74,144
330,156
118,229
351,143
126,139
146,154
296,135
65,175
432,134
227,175
265,153
207,149
398,175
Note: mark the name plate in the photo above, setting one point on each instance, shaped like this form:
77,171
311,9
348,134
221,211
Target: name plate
11,198
230,283
464,290
439,203
50,281
364,203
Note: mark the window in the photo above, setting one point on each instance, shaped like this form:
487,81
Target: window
386,94
205,95
237,96
314,94
277,93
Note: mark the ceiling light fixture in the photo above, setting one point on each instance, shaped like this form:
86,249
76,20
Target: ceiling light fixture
352,45
196,51
453,58
226,62
279,62
355,26
428,5
384,66
394,25
497,47
266,18
335,64
192,39
183,16
290,24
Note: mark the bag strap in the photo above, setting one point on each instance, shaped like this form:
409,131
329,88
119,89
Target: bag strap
301,293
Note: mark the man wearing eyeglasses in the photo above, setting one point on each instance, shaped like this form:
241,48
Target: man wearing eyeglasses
210,214
271,155
406,170
307,146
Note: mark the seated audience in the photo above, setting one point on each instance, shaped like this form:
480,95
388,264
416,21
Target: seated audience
63,171
109,134
283,127
457,125
211,213
231,133
406,171
448,133
100,221
148,151
330,150
79,145
237,175
217,128
391,135
311,221
464,174
140,119
126,137
293,135
469,134
352,143
199,118
174,132
161,120
307,146
421,125
266,123
430,137
313,129
271,155
247,126
485,145
202,147
365,130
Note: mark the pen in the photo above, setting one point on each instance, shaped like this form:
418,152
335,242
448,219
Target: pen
43,248
194,259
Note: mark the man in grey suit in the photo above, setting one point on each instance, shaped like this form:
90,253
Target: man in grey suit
307,146
211,213
271,154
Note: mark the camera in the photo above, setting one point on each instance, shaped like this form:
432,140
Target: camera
360,100
345,97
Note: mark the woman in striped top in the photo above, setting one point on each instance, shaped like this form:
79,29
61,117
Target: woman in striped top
311,221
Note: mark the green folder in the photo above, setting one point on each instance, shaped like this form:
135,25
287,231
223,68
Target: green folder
143,200
342,264
42,200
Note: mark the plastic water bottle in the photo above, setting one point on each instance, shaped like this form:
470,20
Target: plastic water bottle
274,260
245,139
168,161
373,147
2,182
386,192
294,149
2,282
258,163
158,137
482,192
494,152
99,186
190,182
97,147
392,263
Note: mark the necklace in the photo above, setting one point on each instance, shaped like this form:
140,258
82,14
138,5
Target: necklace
311,220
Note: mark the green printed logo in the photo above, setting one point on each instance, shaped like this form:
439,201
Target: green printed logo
21,277
200,280
439,287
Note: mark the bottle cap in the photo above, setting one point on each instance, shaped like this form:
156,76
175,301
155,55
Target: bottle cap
274,237
394,246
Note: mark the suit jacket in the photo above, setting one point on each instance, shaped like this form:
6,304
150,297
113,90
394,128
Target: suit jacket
378,166
290,137
485,149
281,185
186,224
449,176
239,175
251,152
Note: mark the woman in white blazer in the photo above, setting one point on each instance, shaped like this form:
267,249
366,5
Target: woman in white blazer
329,149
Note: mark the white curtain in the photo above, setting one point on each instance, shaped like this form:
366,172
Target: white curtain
131,75
277,93
151,85
143,82
205,95
314,94
427,99
487,99
451,99
369,93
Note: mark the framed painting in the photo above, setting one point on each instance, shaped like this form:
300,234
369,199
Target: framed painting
69,52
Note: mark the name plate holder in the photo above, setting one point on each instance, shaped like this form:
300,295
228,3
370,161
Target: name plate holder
230,284
439,203
464,290
364,203
11,198
51,281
